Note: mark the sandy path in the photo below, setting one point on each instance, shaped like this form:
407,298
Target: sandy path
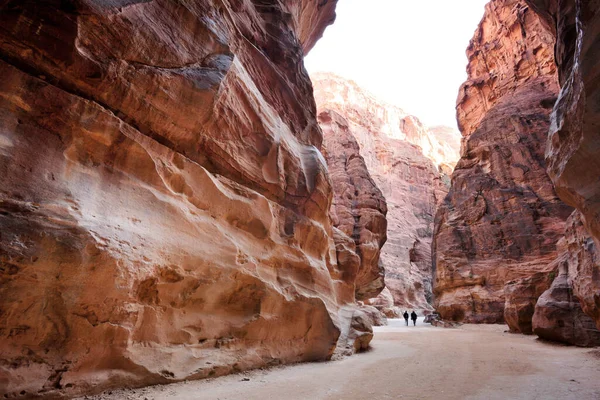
423,362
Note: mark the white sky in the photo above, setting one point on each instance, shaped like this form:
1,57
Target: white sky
410,53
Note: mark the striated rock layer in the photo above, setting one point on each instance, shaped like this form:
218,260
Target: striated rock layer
501,219
398,152
573,150
164,207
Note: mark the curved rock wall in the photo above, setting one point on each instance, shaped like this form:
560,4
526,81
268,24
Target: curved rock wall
390,142
501,219
164,207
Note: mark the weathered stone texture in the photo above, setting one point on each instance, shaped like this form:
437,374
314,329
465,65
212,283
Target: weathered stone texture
164,207
398,151
501,219
559,317
358,209
573,150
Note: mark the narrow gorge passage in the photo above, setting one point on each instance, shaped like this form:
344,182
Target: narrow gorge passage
473,362
185,196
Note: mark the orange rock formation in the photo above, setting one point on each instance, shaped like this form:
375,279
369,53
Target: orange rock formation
358,210
401,155
164,207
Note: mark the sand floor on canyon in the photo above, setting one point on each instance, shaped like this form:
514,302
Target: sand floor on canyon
422,362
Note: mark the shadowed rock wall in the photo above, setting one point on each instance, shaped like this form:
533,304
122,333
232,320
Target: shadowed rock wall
573,149
501,219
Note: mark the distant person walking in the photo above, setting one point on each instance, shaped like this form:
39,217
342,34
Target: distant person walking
413,316
406,317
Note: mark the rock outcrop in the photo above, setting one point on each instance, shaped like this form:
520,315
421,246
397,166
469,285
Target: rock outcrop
358,210
385,303
398,152
583,260
521,296
573,151
560,314
559,317
502,219
164,207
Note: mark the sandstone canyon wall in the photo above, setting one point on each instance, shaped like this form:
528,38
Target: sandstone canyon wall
498,228
358,209
164,207
573,148
404,159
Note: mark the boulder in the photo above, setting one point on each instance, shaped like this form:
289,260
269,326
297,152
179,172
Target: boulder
559,317
521,296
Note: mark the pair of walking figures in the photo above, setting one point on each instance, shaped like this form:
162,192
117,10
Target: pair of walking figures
413,317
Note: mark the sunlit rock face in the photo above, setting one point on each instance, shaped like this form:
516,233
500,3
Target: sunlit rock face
358,210
164,207
573,149
390,143
441,144
502,218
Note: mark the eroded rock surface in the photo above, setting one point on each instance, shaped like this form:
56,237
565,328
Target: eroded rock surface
385,303
501,219
583,260
398,151
559,317
164,207
521,296
358,210
573,151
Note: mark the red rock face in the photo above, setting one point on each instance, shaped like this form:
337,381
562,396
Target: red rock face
164,207
510,46
559,317
583,263
573,152
559,311
521,296
560,314
358,209
409,181
501,219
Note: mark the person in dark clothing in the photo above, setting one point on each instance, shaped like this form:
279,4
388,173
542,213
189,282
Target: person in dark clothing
413,316
406,317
